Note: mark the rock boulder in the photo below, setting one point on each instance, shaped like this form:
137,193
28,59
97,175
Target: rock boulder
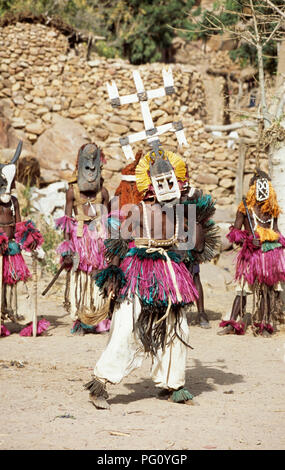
57,148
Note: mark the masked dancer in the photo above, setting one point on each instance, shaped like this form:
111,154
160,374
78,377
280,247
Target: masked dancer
15,236
260,264
82,251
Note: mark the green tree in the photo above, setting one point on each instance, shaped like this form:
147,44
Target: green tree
5,5
140,30
236,17
143,30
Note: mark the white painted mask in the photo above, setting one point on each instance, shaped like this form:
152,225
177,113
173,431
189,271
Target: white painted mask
162,176
7,175
166,186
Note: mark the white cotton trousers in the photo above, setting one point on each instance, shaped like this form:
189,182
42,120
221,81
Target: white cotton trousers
125,353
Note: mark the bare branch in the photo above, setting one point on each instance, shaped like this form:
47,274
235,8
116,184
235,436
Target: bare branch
247,140
222,27
255,22
279,98
273,32
231,127
280,107
275,8
246,36
260,28
243,113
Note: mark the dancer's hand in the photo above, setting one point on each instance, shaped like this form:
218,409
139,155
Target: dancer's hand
67,260
33,246
111,291
113,288
112,294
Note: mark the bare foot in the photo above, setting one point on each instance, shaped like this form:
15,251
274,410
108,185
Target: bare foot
202,320
266,334
191,403
79,332
99,402
227,330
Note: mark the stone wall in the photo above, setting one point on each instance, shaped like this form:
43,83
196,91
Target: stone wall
43,85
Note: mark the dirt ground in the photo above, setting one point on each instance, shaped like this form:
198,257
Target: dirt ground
238,384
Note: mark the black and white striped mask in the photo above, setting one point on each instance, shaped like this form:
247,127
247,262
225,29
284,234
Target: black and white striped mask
262,189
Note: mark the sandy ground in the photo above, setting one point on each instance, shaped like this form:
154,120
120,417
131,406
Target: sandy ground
238,384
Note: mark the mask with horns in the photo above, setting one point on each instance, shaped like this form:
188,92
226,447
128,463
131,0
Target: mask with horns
7,175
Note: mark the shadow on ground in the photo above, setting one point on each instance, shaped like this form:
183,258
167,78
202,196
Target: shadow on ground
212,315
197,379
15,327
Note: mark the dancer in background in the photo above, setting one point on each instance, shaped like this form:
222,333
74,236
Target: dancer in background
85,230
15,236
127,191
205,209
260,264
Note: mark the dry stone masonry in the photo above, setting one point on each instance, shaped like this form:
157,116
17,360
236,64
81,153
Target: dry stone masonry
56,101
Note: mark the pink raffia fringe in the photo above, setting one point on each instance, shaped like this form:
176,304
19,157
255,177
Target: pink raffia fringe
267,268
90,246
4,331
281,240
264,326
4,240
144,277
252,264
42,326
238,327
26,234
237,236
103,326
15,269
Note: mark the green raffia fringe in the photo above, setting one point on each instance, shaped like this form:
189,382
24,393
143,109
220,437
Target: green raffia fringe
268,246
106,274
210,223
114,223
142,254
116,247
13,248
181,395
190,258
201,202
205,206
78,325
66,253
211,246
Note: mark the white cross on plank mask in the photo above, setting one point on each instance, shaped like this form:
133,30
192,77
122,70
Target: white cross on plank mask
166,186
